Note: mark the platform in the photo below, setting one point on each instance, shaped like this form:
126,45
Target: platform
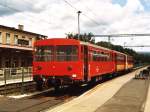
130,98
10,81
98,99
147,104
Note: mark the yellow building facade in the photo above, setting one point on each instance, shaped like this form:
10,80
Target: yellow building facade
16,46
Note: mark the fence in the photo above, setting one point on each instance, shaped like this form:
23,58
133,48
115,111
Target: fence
12,75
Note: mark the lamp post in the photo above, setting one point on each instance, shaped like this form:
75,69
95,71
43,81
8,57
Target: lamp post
79,12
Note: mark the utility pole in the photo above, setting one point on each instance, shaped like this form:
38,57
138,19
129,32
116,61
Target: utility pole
79,12
109,39
124,44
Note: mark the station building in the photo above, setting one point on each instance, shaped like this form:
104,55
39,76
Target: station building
16,46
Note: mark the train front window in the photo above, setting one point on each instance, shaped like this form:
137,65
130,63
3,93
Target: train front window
44,53
66,53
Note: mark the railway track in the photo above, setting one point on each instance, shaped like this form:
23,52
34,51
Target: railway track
25,87
44,100
39,102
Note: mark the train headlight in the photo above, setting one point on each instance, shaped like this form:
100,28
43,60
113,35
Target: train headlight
74,75
69,68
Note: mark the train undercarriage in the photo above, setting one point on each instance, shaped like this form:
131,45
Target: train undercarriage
56,81
59,82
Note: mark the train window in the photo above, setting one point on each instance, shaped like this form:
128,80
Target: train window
120,58
66,53
44,53
130,60
100,56
111,57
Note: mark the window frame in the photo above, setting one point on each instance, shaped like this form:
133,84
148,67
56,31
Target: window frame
71,57
1,38
45,57
7,39
16,40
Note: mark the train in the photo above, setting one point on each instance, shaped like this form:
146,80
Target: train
62,61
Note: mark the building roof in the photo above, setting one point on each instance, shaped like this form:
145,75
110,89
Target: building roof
23,31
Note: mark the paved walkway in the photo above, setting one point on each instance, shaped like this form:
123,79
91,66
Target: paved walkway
147,104
94,98
130,98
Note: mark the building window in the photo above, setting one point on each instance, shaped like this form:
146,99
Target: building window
0,62
23,37
7,38
30,42
0,37
15,39
23,42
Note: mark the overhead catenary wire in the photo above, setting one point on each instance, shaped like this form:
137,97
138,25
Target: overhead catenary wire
70,5
89,9
124,35
33,20
137,46
94,21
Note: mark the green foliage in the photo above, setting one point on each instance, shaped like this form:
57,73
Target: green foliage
117,48
86,37
139,58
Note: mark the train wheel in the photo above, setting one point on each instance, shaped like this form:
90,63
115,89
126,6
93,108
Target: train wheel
93,81
39,85
57,84
57,88
39,82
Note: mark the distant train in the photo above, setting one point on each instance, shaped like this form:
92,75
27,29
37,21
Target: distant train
68,61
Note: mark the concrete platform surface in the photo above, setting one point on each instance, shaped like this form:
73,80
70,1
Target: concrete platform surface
130,98
96,97
147,104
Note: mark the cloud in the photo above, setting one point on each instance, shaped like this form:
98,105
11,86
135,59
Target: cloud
55,17
5,11
8,7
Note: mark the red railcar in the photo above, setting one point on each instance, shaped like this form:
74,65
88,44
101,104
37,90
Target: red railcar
129,62
69,61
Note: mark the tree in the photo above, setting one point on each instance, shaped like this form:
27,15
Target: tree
86,37
142,58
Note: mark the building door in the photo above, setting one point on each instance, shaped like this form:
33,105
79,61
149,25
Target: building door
0,62
7,63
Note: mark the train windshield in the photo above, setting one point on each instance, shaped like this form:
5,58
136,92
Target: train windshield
44,53
57,53
66,53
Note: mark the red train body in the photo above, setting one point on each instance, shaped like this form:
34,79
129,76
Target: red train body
66,61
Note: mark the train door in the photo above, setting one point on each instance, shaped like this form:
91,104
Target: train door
126,62
85,56
116,61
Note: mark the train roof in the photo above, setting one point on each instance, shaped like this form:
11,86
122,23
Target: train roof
57,41
96,46
65,41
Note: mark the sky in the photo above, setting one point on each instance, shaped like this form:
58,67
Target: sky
55,18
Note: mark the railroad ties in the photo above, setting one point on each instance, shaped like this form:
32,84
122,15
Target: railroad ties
49,99
12,88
